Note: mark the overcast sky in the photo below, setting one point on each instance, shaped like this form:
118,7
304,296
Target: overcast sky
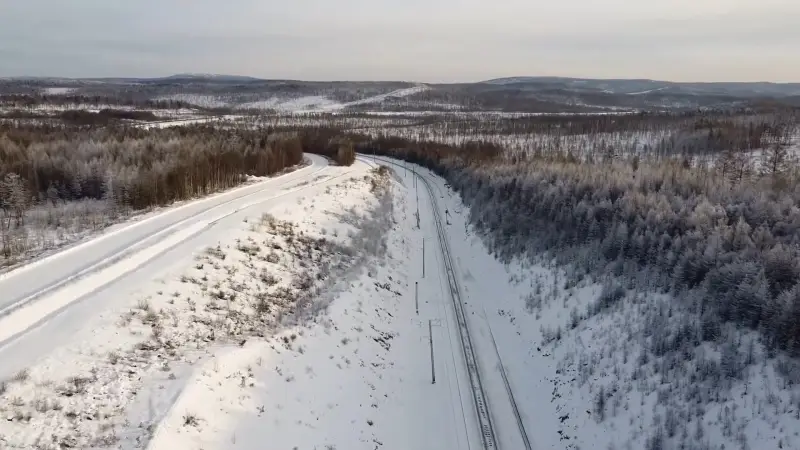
419,40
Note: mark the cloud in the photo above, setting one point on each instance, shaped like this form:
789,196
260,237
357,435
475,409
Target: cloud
434,40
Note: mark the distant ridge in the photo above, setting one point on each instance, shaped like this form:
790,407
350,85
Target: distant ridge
646,86
209,77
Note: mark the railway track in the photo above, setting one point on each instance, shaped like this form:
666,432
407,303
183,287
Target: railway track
487,429
488,435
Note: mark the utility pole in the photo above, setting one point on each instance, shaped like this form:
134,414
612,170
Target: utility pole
423,257
414,171
433,367
416,295
416,194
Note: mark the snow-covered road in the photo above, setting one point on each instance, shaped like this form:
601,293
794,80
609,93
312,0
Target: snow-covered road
46,300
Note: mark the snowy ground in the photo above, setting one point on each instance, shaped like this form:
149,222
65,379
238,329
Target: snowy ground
358,376
292,322
306,103
80,308
586,376
57,90
51,228
298,328
217,120
288,104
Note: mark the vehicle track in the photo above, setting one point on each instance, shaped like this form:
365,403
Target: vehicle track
488,435
118,253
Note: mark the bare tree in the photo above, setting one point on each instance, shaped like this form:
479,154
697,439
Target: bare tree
14,197
777,158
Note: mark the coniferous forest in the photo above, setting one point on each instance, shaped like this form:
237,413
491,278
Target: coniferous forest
69,179
707,210
722,235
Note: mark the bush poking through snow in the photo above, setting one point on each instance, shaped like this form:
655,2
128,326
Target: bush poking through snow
191,420
268,278
21,376
143,305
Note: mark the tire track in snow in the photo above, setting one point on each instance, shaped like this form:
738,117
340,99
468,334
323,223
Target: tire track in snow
27,316
116,254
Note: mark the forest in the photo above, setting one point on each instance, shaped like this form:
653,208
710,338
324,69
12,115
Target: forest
708,211
63,178
721,236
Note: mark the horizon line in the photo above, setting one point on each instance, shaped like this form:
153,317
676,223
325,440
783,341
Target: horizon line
257,78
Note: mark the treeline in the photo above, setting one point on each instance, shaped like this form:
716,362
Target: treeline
104,116
729,249
40,100
697,137
329,142
133,167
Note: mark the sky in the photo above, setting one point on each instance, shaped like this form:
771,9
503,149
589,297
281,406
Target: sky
409,40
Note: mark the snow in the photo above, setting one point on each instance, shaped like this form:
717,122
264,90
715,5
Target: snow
89,332
315,104
143,360
492,114
57,90
309,102
182,122
556,381
648,91
161,336
301,104
483,280
399,93
90,107
347,380
86,260
204,101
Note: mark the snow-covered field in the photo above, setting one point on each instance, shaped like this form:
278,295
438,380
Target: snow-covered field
57,90
203,101
315,310
113,339
305,103
358,376
289,104
399,93
189,121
